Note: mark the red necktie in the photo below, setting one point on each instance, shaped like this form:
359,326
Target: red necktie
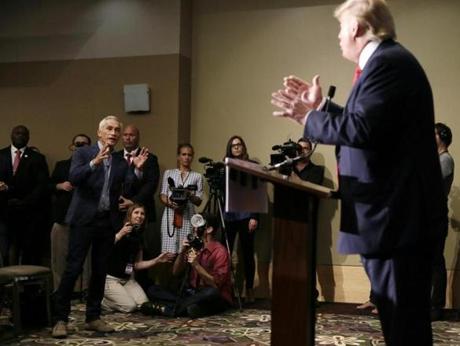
129,159
17,159
356,74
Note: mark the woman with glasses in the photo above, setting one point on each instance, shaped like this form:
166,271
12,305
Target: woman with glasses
242,223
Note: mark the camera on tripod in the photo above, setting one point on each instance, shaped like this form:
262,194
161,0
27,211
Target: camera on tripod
214,173
287,150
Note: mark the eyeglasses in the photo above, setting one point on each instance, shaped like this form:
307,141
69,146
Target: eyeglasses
237,145
80,144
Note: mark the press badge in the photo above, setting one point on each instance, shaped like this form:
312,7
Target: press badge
129,269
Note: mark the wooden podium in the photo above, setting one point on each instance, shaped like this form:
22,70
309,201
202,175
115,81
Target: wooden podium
294,255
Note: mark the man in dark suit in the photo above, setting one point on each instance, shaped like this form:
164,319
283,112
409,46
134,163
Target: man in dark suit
308,171
62,189
143,193
146,188
393,206
94,217
23,182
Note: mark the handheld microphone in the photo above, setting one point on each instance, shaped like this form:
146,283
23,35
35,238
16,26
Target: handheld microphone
330,95
331,92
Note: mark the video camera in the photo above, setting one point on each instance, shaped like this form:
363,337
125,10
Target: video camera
286,151
180,194
214,173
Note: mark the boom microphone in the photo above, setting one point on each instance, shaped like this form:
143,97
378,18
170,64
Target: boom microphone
171,182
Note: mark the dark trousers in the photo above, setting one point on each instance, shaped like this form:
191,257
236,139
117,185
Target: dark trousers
401,286
206,300
372,297
21,238
100,235
241,228
439,276
4,243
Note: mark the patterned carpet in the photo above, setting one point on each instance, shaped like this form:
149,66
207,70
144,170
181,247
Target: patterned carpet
337,325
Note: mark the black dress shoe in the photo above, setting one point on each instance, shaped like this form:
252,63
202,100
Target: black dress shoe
157,309
437,314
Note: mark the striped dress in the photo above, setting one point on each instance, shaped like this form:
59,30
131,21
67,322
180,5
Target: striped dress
171,237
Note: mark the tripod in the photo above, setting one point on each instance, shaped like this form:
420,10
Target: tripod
214,207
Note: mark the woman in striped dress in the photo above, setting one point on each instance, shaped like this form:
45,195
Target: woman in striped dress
175,224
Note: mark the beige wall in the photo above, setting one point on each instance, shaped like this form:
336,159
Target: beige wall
64,65
56,100
87,29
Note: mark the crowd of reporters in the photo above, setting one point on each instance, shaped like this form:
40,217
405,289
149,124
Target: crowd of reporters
205,285
91,218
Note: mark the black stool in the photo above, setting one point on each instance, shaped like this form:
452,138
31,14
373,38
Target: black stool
14,278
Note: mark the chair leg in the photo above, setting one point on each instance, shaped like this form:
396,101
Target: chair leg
16,308
48,299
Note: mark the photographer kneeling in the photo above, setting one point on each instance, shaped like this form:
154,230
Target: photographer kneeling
206,287
122,292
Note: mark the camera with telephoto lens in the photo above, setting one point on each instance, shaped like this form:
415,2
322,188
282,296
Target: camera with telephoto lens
180,195
287,150
195,242
214,173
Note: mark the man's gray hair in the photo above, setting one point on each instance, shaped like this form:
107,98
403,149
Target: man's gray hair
104,121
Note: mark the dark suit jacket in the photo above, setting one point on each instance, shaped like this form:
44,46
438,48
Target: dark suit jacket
144,190
29,185
88,185
62,198
389,175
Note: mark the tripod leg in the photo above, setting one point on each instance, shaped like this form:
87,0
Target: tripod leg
227,244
